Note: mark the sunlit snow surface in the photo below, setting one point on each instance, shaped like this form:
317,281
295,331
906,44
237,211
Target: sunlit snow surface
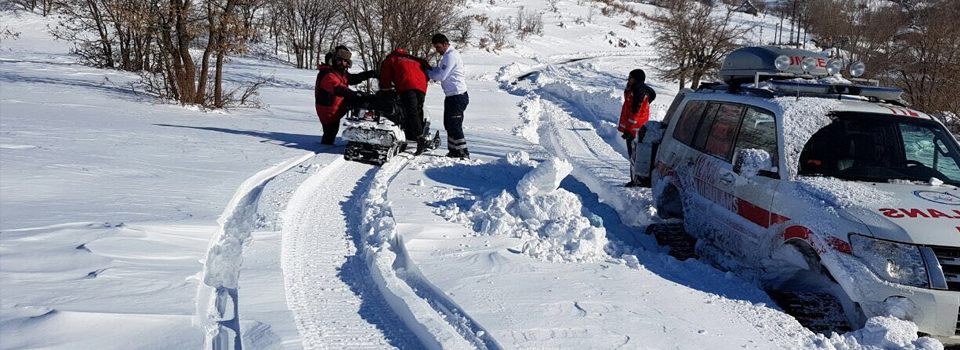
111,200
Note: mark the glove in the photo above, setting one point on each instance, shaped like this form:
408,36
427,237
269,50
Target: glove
627,136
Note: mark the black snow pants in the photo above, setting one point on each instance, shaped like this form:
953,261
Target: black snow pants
330,131
453,108
412,103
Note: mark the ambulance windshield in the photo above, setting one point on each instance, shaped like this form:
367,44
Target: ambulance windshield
881,148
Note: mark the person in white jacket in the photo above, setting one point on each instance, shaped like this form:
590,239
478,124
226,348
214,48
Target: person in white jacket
452,79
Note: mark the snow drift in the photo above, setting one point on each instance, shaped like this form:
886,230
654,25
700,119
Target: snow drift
553,221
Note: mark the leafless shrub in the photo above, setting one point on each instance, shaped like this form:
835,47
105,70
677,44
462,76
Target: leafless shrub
482,19
553,4
463,31
499,33
615,7
632,24
8,34
528,23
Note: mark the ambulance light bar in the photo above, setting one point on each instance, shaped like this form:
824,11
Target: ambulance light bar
801,88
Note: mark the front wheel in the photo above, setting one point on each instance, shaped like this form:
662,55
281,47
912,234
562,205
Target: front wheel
804,288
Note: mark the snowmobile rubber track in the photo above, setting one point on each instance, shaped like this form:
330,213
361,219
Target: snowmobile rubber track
818,312
673,235
367,153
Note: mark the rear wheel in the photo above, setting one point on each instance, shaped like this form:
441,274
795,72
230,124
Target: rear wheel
669,203
673,235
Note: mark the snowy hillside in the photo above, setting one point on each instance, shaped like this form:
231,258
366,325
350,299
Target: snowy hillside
126,223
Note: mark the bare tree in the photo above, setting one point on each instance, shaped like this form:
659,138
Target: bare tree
45,7
912,47
307,28
694,39
378,26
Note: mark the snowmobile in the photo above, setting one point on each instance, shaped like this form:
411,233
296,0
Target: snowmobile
373,132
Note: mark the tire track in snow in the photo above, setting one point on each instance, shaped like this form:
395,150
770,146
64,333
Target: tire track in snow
335,302
217,304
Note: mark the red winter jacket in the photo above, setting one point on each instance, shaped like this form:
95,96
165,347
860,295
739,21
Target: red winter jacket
404,72
630,120
329,94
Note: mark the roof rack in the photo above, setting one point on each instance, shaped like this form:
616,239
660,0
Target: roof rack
795,72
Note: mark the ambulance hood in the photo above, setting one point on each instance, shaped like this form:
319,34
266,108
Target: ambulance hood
915,213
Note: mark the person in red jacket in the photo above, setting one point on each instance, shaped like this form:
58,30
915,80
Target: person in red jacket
636,110
407,75
332,94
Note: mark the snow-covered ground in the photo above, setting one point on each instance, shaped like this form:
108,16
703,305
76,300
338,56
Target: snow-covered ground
128,223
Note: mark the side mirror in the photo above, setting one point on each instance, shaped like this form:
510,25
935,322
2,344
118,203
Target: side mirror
752,162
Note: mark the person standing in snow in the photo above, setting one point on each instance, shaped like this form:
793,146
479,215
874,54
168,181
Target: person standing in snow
332,94
452,79
407,74
636,111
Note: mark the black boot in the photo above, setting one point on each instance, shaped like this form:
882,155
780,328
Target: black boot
462,154
421,146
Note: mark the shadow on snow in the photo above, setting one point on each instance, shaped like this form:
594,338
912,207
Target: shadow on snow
296,141
491,178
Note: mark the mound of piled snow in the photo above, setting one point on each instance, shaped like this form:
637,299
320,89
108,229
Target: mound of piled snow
553,221
881,333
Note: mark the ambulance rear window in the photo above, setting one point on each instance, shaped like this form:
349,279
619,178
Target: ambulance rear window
687,125
724,131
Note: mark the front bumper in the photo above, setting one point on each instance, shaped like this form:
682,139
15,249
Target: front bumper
936,312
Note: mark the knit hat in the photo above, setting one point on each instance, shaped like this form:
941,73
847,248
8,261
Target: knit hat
638,75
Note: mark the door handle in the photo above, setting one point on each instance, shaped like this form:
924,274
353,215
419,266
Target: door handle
727,178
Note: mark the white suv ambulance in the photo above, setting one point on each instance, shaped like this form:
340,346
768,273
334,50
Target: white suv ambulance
805,167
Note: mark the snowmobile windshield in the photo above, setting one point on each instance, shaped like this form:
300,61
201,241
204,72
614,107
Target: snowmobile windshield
882,148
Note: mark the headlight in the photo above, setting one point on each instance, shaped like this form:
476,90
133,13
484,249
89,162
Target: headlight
894,262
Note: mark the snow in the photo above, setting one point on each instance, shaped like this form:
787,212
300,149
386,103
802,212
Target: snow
754,160
130,223
840,193
803,117
881,333
552,221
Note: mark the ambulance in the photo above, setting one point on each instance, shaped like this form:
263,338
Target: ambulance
791,170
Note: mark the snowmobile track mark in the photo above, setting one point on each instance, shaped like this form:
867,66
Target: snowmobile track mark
217,304
329,289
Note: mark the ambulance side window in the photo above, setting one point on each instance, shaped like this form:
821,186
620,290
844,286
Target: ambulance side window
688,122
703,133
723,132
759,131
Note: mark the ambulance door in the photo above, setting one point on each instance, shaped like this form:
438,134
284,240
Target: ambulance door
756,184
713,175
